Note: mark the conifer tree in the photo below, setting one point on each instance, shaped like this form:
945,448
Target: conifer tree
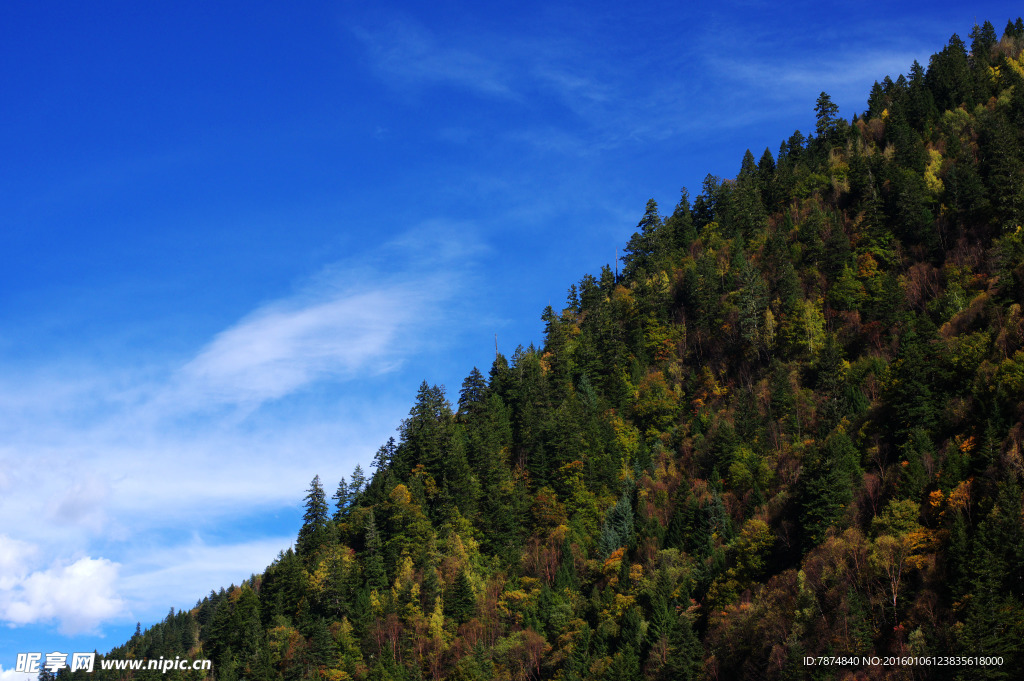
313,534
618,525
826,486
645,245
679,225
948,76
826,119
459,601
376,575
472,394
341,500
358,484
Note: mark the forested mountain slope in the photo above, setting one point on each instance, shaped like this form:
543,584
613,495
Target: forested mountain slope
790,426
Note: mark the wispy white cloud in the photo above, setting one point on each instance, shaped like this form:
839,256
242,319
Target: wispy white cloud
286,345
81,503
841,75
605,100
356,318
407,51
574,83
713,76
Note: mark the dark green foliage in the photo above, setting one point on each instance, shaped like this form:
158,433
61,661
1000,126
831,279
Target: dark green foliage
459,600
920,104
341,500
473,393
376,575
916,455
647,245
625,665
949,76
314,532
826,124
617,531
680,224
913,373
827,480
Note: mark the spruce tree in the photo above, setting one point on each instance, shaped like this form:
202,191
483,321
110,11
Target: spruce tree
313,534
376,574
459,600
341,500
645,245
472,394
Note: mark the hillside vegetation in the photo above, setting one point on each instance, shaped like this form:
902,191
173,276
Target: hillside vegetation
790,426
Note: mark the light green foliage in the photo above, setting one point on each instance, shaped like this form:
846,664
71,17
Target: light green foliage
897,519
749,471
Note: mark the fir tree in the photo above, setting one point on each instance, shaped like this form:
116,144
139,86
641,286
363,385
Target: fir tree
314,533
459,600
341,500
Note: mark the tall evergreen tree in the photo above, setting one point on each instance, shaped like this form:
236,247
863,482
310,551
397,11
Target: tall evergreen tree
646,244
826,118
341,500
314,532
474,390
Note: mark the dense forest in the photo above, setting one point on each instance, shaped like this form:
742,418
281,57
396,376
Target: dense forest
790,426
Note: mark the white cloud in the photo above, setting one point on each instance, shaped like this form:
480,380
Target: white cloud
11,675
80,596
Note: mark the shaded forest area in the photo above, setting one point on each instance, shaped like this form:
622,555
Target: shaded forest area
791,426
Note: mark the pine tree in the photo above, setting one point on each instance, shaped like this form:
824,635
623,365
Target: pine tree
920,102
323,652
685,659
314,533
679,225
645,246
826,118
767,181
341,500
376,574
459,600
472,395
825,486
949,77
427,436
748,207
358,484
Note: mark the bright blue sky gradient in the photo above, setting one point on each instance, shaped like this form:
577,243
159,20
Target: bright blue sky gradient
236,237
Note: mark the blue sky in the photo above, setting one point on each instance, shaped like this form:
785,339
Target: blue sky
237,236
